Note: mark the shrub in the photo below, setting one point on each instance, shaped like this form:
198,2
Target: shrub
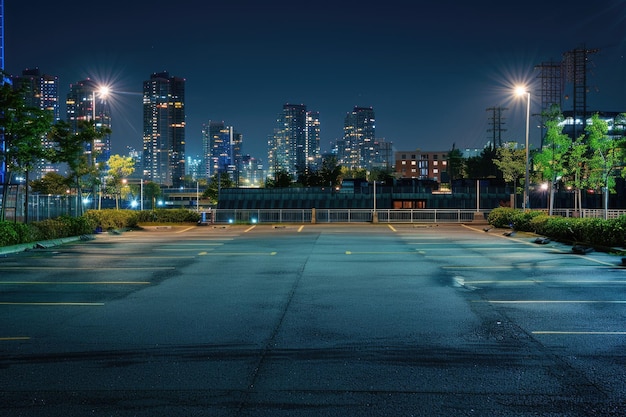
168,216
501,216
8,234
113,219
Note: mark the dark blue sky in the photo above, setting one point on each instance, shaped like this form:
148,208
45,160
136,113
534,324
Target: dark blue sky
429,69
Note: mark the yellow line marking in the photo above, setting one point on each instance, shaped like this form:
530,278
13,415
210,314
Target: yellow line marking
300,228
546,282
8,339
196,244
249,228
529,265
555,301
577,333
392,228
185,229
380,253
74,283
63,268
240,253
9,303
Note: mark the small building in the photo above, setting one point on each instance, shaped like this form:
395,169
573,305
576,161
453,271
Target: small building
421,165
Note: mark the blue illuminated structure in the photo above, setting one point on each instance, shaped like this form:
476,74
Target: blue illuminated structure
5,80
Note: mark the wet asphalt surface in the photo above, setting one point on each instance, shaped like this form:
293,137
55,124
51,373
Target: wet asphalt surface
312,320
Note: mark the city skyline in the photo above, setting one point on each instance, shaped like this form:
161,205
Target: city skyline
429,75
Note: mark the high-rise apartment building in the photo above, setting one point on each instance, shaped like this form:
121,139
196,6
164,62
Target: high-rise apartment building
356,150
221,149
164,129
295,145
40,91
86,102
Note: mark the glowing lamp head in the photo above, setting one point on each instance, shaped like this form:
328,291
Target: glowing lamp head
520,90
103,91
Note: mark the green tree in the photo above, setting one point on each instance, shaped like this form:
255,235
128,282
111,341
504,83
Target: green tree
550,161
23,128
511,161
216,183
152,191
456,164
51,183
605,158
282,179
575,168
331,171
120,167
71,148
482,166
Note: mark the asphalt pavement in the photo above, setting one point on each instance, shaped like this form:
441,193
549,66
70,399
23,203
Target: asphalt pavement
312,320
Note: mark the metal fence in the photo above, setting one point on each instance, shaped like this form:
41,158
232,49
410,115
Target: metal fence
344,216
41,207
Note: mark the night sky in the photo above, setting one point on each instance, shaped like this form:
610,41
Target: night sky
429,69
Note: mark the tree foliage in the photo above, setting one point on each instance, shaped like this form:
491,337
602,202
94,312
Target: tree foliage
51,183
120,168
511,162
23,128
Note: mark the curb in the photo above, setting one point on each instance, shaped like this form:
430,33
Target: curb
5,250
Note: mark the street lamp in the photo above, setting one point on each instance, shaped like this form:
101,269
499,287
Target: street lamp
102,91
521,91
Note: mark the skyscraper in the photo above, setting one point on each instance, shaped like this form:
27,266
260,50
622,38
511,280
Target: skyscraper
85,102
295,145
40,91
221,147
164,129
356,150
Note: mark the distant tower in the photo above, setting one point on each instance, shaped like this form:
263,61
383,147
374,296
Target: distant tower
41,91
221,149
497,122
2,35
551,88
2,145
84,103
575,62
359,135
164,129
295,144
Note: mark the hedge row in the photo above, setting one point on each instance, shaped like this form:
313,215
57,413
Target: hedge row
607,233
129,219
65,226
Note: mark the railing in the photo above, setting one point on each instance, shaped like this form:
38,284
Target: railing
382,216
344,216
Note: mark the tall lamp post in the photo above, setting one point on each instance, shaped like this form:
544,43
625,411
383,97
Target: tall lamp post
521,91
102,91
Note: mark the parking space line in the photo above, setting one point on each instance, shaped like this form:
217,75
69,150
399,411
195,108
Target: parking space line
74,283
578,333
238,253
74,268
536,281
49,304
381,253
185,229
552,301
529,265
